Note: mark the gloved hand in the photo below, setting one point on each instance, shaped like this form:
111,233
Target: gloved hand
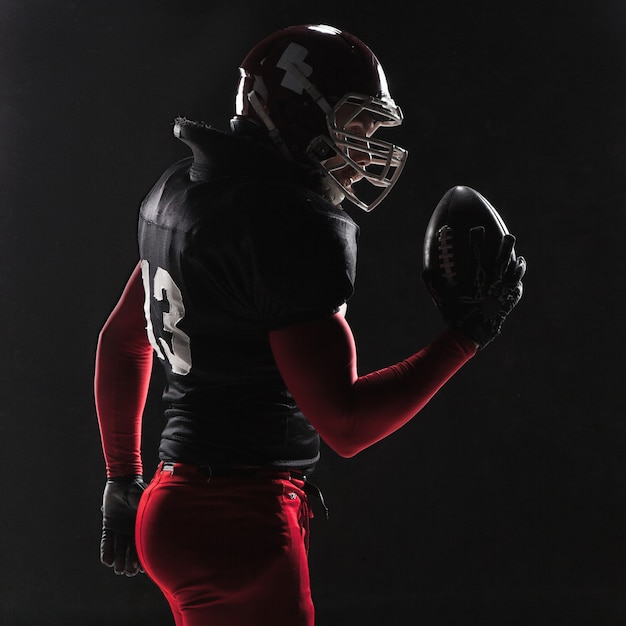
481,303
119,510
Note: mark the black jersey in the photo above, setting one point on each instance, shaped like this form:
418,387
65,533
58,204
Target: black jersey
235,243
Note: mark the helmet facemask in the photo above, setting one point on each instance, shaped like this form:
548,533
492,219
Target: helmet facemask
373,161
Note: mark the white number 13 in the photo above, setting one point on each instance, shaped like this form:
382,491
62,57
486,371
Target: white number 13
179,355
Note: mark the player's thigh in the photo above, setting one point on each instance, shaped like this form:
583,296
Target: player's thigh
228,550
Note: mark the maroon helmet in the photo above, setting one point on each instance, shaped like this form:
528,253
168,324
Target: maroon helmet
307,85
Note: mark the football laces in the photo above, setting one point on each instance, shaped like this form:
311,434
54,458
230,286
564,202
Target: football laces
445,246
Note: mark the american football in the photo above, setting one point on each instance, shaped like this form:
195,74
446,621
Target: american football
447,240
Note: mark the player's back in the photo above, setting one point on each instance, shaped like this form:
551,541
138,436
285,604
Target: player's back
231,248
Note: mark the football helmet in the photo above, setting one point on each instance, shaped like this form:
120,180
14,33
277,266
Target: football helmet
321,93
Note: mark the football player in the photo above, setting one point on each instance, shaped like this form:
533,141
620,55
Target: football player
247,259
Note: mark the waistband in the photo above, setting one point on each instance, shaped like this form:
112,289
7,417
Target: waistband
217,471
227,471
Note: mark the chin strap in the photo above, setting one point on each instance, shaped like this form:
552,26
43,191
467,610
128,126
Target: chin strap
328,189
259,106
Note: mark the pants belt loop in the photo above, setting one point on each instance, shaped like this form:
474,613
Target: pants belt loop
312,489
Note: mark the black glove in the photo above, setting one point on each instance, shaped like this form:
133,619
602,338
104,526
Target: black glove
119,510
481,303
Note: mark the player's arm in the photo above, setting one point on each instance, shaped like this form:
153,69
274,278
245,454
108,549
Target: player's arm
122,378
317,360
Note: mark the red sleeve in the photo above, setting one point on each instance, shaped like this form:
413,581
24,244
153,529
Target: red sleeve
122,378
317,360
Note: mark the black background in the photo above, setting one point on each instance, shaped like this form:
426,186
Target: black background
504,502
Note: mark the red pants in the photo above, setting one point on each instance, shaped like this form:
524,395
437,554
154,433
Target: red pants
227,551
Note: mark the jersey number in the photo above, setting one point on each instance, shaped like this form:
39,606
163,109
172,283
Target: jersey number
163,287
